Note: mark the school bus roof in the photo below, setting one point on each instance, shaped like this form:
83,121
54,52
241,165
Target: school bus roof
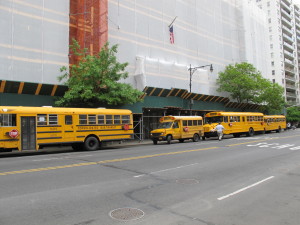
210,114
61,110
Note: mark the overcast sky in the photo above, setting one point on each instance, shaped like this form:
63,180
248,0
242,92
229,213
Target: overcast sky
296,2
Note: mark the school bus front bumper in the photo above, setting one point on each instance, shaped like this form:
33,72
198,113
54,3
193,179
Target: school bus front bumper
158,136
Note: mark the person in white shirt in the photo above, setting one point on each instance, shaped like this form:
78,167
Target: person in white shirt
219,128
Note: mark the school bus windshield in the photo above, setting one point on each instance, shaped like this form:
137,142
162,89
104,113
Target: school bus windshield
215,119
165,125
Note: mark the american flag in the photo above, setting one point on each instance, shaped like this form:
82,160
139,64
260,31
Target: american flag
171,34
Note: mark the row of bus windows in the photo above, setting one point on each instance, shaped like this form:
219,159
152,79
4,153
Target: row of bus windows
192,123
275,120
90,119
255,118
227,119
103,119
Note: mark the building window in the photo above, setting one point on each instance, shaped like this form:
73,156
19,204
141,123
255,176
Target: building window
273,81
273,72
269,20
272,63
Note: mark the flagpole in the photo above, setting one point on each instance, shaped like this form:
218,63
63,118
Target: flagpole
173,21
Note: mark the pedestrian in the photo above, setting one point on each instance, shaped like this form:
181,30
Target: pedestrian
288,125
219,128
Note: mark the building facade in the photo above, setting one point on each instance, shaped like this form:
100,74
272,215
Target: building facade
217,32
34,41
284,35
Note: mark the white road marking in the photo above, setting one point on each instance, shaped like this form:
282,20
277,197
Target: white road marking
55,158
244,189
159,171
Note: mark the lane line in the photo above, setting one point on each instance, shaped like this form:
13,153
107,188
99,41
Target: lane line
102,162
160,171
245,188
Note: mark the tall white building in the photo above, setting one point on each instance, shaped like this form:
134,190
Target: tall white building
284,34
218,32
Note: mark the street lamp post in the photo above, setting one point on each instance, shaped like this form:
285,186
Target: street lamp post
192,71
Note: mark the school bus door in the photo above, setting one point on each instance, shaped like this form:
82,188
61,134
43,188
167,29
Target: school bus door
69,132
176,130
28,132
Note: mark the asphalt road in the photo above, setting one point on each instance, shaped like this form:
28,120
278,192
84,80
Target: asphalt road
236,181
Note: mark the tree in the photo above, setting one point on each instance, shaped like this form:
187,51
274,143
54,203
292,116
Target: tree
271,98
94,80
241,81
293,114
245,84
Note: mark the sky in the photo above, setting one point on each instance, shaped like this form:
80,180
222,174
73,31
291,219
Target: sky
296,2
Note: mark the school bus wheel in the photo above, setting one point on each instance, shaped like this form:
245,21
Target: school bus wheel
155,142
279,130
91,143
196,138
169,139
181,140
251,132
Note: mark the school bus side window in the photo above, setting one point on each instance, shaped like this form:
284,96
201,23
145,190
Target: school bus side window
53,119
109,119
125,119
184,123
41,119
200,122
190,122
68,120
101,119
92,119
117,119
82,119
176,125
8,120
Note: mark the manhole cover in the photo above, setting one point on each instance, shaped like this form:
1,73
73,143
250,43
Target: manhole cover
187,181
126,214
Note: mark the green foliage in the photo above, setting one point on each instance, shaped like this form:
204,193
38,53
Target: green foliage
245,84
293,114
94,80
271,98
241,81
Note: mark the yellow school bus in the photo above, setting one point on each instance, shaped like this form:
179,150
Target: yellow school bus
178,128
26,128
235,123
274,123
